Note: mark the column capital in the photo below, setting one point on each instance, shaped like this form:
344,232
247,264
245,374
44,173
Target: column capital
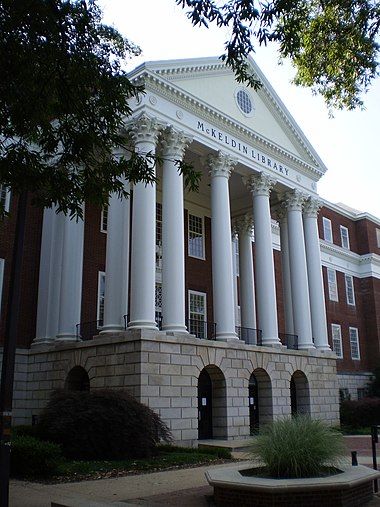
260,184
312,206
145,129
220,164
294,200
174,143
243,224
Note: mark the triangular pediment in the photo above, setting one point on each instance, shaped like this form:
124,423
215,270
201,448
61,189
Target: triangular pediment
212,83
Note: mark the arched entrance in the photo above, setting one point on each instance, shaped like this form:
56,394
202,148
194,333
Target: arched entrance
253,393
260,400
212,404
77,380
299,394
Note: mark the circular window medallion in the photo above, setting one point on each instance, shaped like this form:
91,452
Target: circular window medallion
244,102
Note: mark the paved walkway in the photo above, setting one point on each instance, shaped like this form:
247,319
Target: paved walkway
185,488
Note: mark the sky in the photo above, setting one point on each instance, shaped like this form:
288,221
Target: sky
348,143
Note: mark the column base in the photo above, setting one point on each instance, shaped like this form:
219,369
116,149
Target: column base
67,338
306,346
272,342
174,328
142,324
226,337
42,341
112,328
324,348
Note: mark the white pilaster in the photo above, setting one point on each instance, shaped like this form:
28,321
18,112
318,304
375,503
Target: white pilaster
314,270
117,263
143,261
173,246
261,186
222,280
281,216
71,279
49,286
244,228
298,270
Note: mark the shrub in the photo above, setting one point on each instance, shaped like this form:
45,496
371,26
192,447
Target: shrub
101,425
360,413
297,447
24,430
31,457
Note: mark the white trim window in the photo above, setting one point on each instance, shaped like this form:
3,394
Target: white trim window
336,333
197,314
350,293
344,237
5,197
354,343
196,237
327,230
2,263
100,305
332,284
104,220
378,237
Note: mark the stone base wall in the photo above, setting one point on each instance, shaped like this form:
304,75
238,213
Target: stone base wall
162,371
352,382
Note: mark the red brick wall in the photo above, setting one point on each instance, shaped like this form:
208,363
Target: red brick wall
370,290
198,272
26,331
336,221
94,259
339,312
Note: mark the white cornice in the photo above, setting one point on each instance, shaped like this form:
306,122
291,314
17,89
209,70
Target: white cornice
352,215
361,266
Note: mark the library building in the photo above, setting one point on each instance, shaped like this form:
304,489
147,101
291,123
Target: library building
222,309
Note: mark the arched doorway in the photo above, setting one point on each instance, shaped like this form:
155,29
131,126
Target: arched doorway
253,393
212,404
77,380
260,400
299,394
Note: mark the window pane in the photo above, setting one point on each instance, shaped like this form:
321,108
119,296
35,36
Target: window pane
337,340
354,343
196,241
101,289
104,219
197,315
349,289
333,288
344,237
327,230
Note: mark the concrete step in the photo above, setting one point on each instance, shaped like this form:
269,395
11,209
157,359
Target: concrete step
242,445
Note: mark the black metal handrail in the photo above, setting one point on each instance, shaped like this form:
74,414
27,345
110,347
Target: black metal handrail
249,335
289,340
87,330
202,329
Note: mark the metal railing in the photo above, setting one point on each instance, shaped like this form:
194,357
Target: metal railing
249,335
289,340
87,330
202,329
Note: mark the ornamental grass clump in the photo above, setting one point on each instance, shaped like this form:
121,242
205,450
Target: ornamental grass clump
299,447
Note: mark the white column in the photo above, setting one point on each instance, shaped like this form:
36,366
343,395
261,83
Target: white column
260,186
244,228
298,270
314,270
71,279
117,263
222,280
281,216
173,242
143,241
49,286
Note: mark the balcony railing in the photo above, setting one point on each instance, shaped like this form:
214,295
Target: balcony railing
202,329
87,330
289,340
249,335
